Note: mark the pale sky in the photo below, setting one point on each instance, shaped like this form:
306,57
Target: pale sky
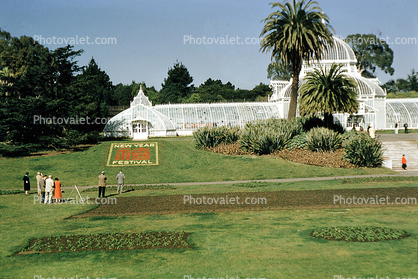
140,40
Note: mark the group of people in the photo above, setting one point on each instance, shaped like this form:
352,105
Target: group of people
370,130
102,183
47,187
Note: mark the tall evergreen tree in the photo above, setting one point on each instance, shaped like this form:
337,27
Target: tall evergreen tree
177,86
38,85
93,94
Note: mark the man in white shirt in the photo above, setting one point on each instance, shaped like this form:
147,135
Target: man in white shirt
49,187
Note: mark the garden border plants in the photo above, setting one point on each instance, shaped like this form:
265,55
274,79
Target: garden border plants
108,242
359,234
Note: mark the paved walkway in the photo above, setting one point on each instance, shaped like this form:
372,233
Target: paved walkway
397,137
395,145
399,173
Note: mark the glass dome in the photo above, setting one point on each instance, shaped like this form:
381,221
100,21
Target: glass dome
402,111
120,124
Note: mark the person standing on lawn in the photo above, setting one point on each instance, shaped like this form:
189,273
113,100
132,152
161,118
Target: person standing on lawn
38,178
121,178
102,184
403,162
26,183
406,127
49,187
372,132
41,185
57,190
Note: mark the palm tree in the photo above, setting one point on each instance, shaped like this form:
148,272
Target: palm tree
296,32
328,91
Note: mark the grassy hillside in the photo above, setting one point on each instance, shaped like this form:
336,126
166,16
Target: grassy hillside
179,161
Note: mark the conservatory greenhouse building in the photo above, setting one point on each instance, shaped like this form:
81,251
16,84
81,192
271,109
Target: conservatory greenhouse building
142,120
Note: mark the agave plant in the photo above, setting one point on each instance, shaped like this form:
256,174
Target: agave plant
323,139
212,136
363,151
265,136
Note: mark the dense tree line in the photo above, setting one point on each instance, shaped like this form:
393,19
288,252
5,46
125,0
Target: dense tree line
403,85
48,101
44,94
178,87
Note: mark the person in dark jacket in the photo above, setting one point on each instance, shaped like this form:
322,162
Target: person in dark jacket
26,183
406,127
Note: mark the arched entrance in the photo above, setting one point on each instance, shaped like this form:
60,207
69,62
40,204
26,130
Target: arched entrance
139,130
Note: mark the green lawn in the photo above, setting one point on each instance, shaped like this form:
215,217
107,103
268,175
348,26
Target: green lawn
250,244
253,244
401,131
179,161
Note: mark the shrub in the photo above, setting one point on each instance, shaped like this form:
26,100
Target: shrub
363,151
265,136
7,150
309,122
323,139
348,136
92,137
212,136
298,141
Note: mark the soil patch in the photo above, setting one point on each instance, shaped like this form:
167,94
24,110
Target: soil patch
243,201
324,159
229,149
303,156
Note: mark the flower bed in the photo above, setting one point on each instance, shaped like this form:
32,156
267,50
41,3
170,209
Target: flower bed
358,234
110,241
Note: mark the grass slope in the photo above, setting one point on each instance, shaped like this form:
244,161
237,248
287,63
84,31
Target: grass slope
179,161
